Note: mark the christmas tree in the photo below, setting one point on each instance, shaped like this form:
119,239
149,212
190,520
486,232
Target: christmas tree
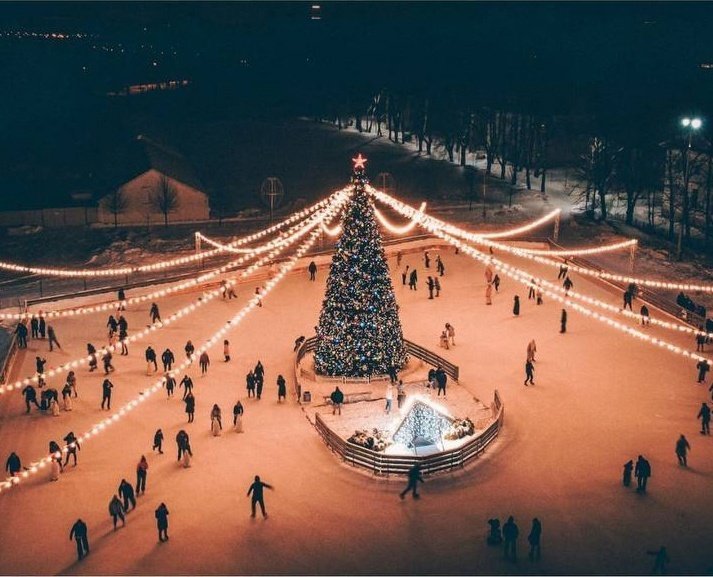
359,332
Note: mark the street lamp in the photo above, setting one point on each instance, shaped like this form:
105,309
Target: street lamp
690,125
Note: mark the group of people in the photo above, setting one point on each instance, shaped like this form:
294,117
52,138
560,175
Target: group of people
433,283
39,329
509,534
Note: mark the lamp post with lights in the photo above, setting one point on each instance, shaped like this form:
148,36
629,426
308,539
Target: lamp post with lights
689,125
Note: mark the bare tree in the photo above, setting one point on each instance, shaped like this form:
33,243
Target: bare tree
597,170
116,203
165,198
639,171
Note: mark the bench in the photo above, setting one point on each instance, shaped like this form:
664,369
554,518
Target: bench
351,397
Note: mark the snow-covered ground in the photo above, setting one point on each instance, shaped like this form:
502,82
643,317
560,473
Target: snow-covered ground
601,398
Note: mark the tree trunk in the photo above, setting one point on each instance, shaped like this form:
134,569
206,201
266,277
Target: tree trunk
358,123
631,198
603,201
543,177
165,219
671,200
528,183
708,203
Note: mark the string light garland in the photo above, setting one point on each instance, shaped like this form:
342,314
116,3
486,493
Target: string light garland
334,231
399,229
276,246
522,229
36,466
435,226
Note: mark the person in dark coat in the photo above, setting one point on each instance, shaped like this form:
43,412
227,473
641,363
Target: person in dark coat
167,359
112,325
142,469
431,286
187,384
404,274
121,297
660,561
439,266
21,332
204,361
42,326
703,367
237,412
72,447
567,285
13,464
281,388
529,373
642,472
563,270
190,349
427,259
496,282
704,415
250,384
259,373
563,321
337,398
645,316
441,380
414,478
534,540
127,494
79,533
437,286
257,495
413,280
626,477
516,305
190,401
151,358
259,370
700,342
56,452
628,299
170,385
161,515
34,327
154,313
123,340
40,365
117,510
531,289
682,448
30,395
495,536
107,386
92,354
52,337
312,271
158,441
510,535
183,444
108,367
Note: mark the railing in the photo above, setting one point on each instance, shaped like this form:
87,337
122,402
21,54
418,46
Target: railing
9,359
384,464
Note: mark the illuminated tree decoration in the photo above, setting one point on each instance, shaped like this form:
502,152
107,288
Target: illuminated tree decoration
422,425
359,332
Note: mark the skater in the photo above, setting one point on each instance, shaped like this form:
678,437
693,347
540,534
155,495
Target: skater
389,398
516,306
682,448
660,561
161,515
563,322
250,382
92,354
642,472
439,266
258,386
441,381
67,397
42,326
189,348
190,401
496,282
495,536
703,367
312,271
413,279
539,295
626,477
257,492
142,469
563,270
204,361
628,298
108,367
400,394
170,384
534,540
151,360
238,417
281,389
414,478
444,340
531,350
34,327
127,494
112,325
259,370
187,384
21,332
700,341
510,534
489,294
431,286
183,444
529,373
167,359
107,386
437,286
72,448
488,274
158,441
216,415
645,316
52,337
567,285
30,395
154,313
40,365
72,382
399,257
451,332
427,259
116,510
13,465
531,290
258,295
404,275
705,416
337,398
121,297
123,325
226,350
79,533
56,452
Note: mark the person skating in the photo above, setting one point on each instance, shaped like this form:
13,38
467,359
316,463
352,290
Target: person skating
337,398
40,365
161,515
42,326
496,282
116,511
257,496
167,359
451,332
437,286
187,384
495,536
404,275
389,397
52,337
190,401
30,395
226,350
67,397
529,373
72,447
127,494
700,342
250,384
216,415
414,478
158,441
92,354
281,389
531,289
312,271
516,305
112,324
122,323
400,394
121,297
154,313
682,448
642,472
203,362
108,367
645,316
538,294
439,266
78,532
534,540
151,360
660,561
510,535
531,350
183,444
563,270
170,385
142,469
72,382
703,367
441,381
627,300
626,476
704,414
413,280
427,259
190,349
259,373
13,465
258,296
563,321
34,327
238,417
107,386
567,285
444,340
21,332
56,454
430,284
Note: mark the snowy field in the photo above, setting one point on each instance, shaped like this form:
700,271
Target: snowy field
601,398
